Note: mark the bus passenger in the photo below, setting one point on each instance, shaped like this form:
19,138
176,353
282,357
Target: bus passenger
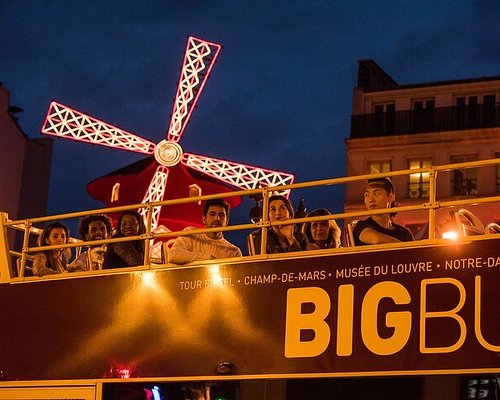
126,254
380,228
205,246
321,234
282,238
50,262
92,227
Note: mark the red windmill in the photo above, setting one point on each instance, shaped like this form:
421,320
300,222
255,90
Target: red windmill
184,171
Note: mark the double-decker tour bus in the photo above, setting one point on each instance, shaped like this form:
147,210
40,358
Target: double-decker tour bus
412,320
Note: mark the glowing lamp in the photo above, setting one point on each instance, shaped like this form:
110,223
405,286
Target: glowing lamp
450,235
148,279
215,275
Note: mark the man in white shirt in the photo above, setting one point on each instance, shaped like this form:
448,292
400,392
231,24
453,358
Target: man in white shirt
205,246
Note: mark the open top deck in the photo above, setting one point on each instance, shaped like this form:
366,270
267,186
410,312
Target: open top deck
428,307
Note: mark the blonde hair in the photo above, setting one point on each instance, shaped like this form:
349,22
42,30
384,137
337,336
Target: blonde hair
334,231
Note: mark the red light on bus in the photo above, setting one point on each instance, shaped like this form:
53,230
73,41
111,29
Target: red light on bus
123,373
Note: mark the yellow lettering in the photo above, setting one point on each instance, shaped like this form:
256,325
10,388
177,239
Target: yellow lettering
441,314
345,320
297,322
400,321
477,318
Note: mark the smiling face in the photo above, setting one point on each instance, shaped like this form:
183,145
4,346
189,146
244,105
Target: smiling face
129,226
278,211
97,231
376,197
56,236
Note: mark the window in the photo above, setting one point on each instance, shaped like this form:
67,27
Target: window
463,181
489,112
423,115
489,99
194,191
375,167
423,104
474,100
418,183
469,112
385,117
390,108
467,101
384,108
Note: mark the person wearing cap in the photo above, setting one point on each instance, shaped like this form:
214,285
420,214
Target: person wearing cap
205,246
321,234
282,238
380,228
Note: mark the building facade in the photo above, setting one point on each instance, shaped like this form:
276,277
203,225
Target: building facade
397,127
24,166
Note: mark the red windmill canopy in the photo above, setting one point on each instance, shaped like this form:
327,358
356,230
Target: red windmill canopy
133,181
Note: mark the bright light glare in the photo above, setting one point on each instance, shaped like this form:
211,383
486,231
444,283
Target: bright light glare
149,279
215,275
451,235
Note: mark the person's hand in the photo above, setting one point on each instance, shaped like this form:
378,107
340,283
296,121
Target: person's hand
98,253
66,252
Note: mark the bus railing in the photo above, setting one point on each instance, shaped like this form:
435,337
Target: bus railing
429,204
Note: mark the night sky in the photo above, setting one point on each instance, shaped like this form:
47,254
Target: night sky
278,97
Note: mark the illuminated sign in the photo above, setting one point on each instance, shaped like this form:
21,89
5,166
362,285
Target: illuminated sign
199,59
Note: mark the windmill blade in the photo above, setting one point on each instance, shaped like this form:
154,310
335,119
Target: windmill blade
63,121
199,60
239,175
155,192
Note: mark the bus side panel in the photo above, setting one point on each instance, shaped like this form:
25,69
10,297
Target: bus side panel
374,313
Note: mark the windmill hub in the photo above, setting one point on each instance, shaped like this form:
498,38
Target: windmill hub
168,153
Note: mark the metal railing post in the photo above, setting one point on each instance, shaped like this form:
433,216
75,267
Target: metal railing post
26,238
432,201
147,244
5,270
265,220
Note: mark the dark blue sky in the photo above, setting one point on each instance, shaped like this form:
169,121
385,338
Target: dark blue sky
279,96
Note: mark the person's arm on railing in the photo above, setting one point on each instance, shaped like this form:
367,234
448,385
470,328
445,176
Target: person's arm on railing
370,236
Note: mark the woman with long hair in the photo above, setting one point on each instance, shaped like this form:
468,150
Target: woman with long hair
50,262
126,254
280,238
321,234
